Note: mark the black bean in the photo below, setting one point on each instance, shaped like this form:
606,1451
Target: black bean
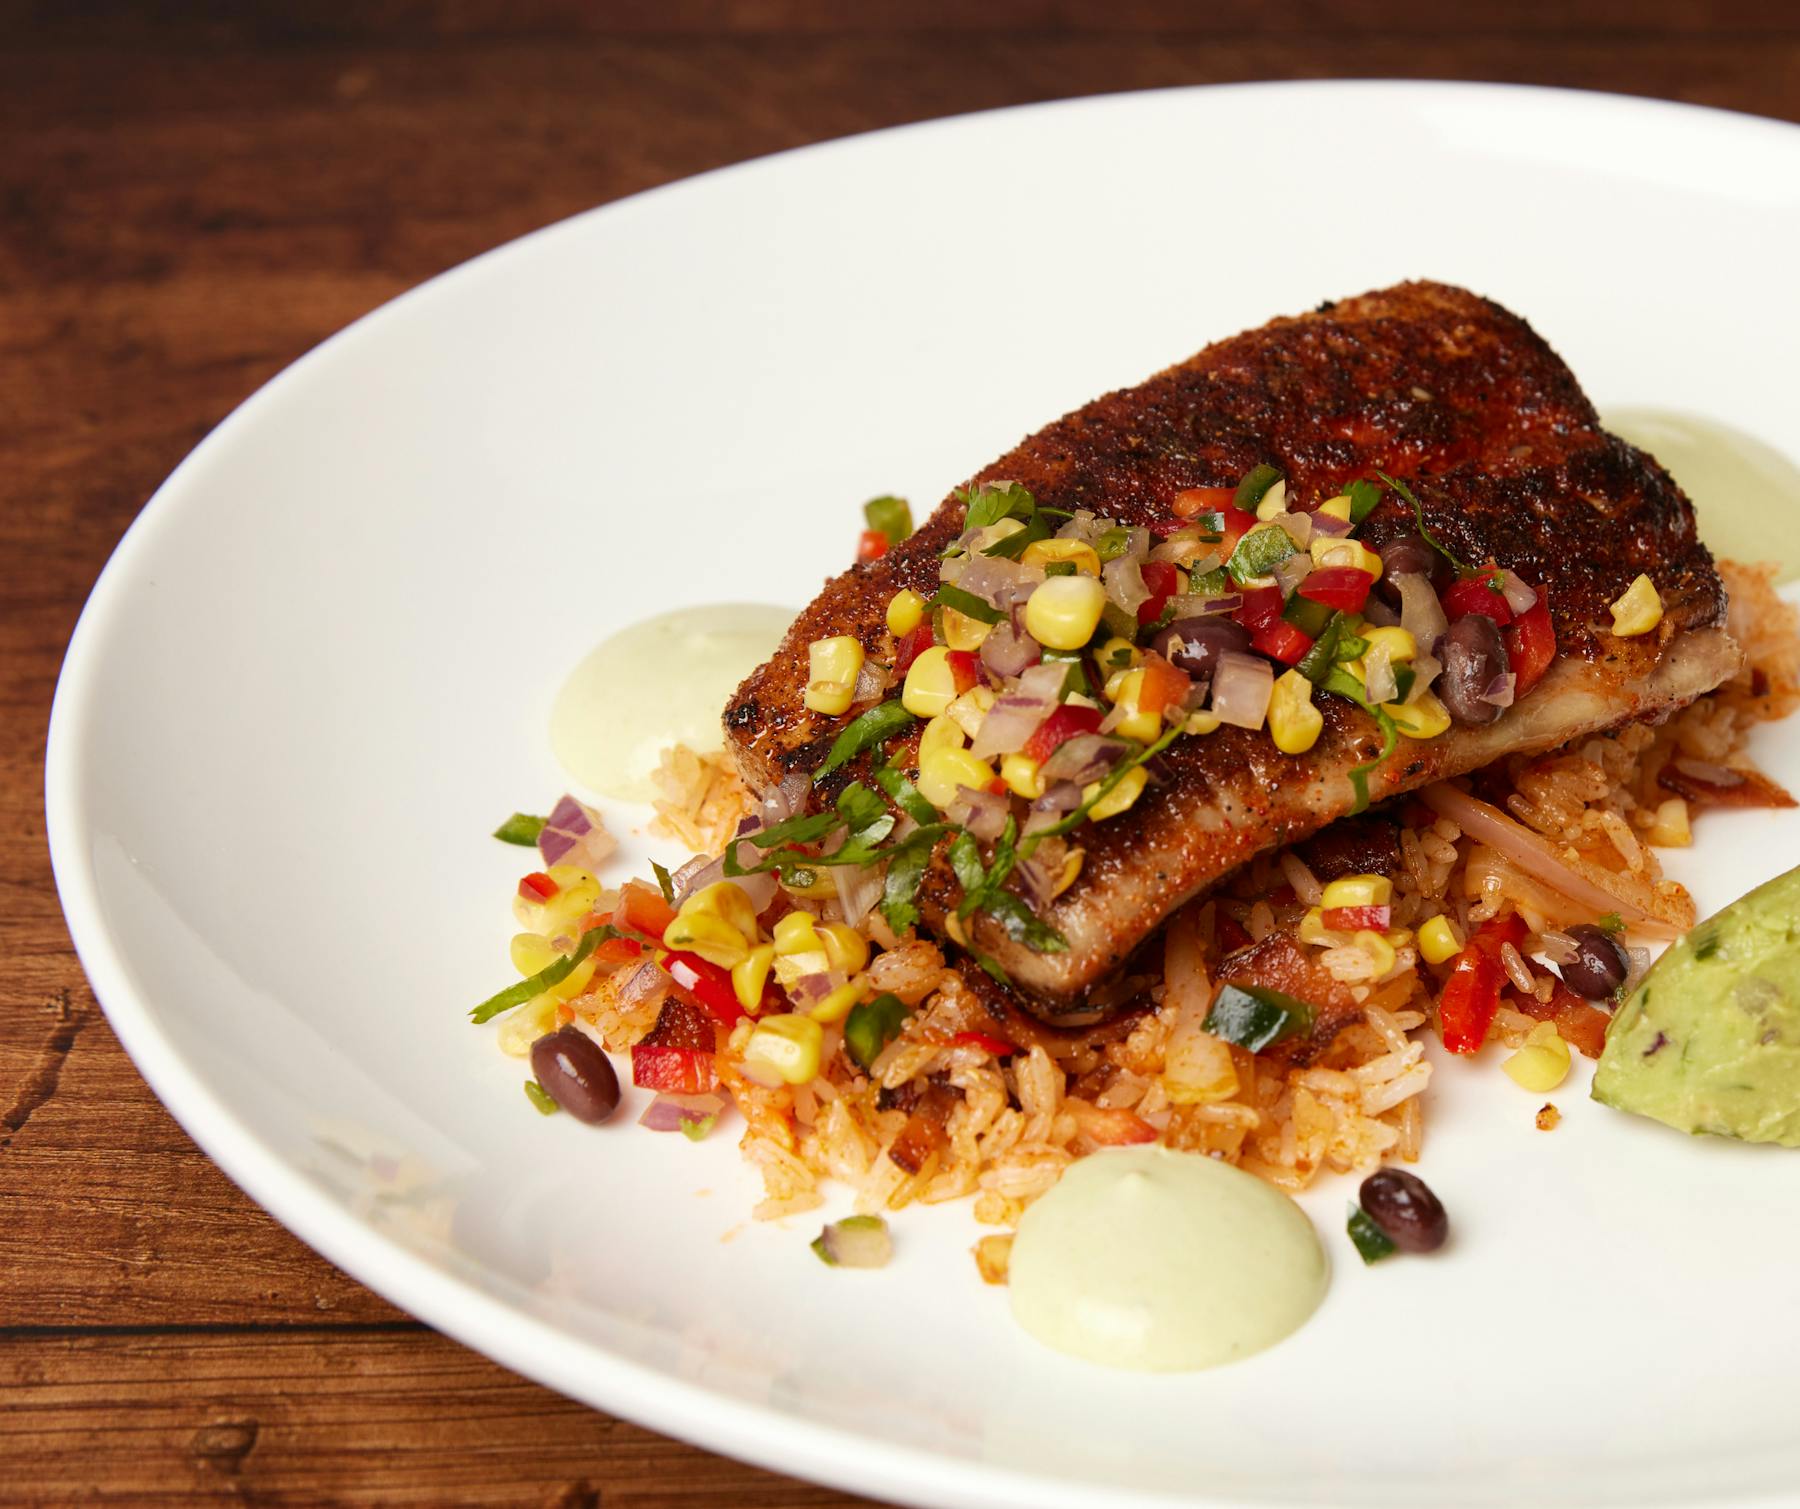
1195,644
1599,965
1474,656
576,1074
1410,554
1402,1206
1353,846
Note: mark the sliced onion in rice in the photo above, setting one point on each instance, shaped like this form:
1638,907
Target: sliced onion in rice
1124,580
1421,614
1291,572
1519,597
1722,776
1577,879
1084,758
1499,691
669,1113
1557,947
1008,651
858,888
1241,689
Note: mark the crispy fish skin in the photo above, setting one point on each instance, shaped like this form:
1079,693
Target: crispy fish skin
1429,383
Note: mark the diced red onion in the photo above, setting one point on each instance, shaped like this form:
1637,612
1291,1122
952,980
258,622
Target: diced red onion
1084,525
669,1113
1012,720
1000,582
983,813
795,787
858,888
1425,669
809,990
1519,597
568,835
1380,614
698,873
1291,572
1331,524
1084,758
1008,650
1241,689
871,682
1421,614
1378,675
1124,580
1189,605
1299,527
647,984
1499,691
1060,798
951,568
1033,881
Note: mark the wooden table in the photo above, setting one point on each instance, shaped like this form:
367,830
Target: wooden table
185,207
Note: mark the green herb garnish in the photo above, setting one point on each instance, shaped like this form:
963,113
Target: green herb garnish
891,516
1022,924
1259,553
521,829
907,863
664,881
1076,682
1059,568
1363,495
1126,765
1253,1018
965,603
1371,1242
1255,486
903,794
541,1098
1419,518
990,502
1359,775
872,1025
695,1128
1113,543
551,974
879,724
1612,922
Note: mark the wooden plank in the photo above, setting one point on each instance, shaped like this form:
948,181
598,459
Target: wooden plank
370,1418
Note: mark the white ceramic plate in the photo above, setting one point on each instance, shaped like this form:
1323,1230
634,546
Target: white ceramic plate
318,670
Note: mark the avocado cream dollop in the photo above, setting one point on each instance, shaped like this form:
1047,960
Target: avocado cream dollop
1710,1041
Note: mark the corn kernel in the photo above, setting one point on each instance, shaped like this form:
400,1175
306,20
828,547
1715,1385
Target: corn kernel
790,969
1294,723
1274,501
838,658
930,684
846,948
967,711
905,610
1329,550
1358,890
531,952
785,1047
1200,723
1071,869
1063,612
1638,610
521,1028
944,770
1118,655
1423,718
1399,936
710,936
962,632
832,698
578,892
1670,828
751,973
1401,646
836,1006
1314,931
1046,552
1120,798
1115,683
796,933
575,982
1378,949
1543,1063
1023,776
940,733
1134,722
726,900
1199,1069
1337,508
1438,941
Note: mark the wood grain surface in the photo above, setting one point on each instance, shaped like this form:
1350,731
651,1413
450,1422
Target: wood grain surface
192,195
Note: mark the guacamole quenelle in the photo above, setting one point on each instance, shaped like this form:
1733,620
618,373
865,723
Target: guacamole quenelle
1710,1041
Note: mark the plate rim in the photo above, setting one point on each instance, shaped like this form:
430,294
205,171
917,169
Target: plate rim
691,1411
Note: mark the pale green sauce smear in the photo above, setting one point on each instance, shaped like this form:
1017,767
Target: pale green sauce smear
1746,494
1163,1262
660,682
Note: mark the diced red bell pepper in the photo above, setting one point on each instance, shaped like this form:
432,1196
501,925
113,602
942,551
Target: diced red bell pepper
1498,930
619,951
1163,579
1261,605
1191,502
1342,587
1230,933
871,545
998,1046
642,910
707,984
1351,919
1236,524
1280,640
1062,725
675,1071
1476,594
1110,1126
963,669
537,886
1470,998
996,787
1163,685
912,646
1531,645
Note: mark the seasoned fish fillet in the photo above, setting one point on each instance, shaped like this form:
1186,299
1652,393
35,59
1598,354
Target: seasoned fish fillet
1428,383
